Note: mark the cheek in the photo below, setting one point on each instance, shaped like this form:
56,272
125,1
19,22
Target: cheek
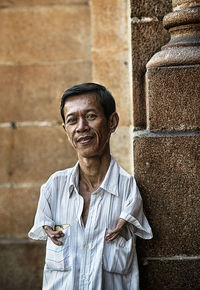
69,135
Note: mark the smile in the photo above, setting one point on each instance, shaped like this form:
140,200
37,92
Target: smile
84,139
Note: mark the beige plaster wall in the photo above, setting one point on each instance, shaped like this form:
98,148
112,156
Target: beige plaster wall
45,48
111,65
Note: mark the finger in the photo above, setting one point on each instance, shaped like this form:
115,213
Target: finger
58,234
115,230
112,237
56,242
112,234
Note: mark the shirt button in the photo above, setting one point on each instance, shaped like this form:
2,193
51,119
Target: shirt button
83,277
86,246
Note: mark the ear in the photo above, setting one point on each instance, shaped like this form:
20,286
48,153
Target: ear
113,122
63,125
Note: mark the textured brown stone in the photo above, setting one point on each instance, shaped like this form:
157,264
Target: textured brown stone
149,8
53,33
146,39
167,171
173,99
183,47
33,92
33,153
21,265
182,4
17,207
170,275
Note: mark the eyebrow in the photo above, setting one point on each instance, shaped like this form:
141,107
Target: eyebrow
85,112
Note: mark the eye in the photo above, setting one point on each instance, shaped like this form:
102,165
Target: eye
91,116
71,120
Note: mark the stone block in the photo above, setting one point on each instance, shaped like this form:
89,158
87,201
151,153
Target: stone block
147,38
150,8
112,71
110,24
173,98
167,172
33,92
21,265
170,275
121,147
8,3
31,154
51,33
18,205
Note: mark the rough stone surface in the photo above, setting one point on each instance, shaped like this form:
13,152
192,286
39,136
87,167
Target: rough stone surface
181,4
45,34
175,56
173,99
149,8
167,172
33,153
147,38
33,92
170,275
18,207
21,265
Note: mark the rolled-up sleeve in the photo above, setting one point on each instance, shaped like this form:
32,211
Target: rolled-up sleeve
43,216
133,212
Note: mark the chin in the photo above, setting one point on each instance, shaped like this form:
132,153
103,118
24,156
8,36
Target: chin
89,153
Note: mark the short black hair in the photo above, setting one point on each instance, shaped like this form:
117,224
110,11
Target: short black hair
103,95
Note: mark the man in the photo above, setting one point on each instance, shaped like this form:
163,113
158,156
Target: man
91,213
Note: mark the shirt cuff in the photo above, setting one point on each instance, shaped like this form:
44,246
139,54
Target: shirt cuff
38,233
143,229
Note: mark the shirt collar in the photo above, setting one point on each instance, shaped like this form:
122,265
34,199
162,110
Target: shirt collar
109,184
74,179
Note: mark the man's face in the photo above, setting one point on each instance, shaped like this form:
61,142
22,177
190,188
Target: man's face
86,126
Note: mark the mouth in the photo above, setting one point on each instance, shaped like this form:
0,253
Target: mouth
84,139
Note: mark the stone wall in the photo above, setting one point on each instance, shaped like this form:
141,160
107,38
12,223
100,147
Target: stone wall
45,48
166,152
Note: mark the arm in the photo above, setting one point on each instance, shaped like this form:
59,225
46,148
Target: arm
43,216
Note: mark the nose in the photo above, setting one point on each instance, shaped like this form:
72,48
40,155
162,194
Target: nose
82,125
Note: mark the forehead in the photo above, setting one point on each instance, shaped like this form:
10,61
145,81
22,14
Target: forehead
82,102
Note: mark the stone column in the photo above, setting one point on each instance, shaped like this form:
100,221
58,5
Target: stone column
166,156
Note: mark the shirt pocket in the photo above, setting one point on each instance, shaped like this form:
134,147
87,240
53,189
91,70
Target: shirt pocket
58,257
118,255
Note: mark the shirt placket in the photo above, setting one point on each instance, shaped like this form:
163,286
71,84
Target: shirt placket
85,270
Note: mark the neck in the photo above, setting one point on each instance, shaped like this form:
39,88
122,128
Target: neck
93,170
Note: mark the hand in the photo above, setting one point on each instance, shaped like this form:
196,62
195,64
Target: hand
54,235
115,233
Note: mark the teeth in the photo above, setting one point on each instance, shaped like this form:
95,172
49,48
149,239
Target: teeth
84,138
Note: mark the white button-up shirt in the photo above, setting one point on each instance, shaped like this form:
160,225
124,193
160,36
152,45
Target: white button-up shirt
86,260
